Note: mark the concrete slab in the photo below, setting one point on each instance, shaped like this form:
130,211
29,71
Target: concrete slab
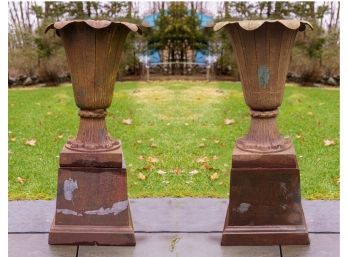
169,214
179,245
179,214
35,245
322,245
39,213
322,216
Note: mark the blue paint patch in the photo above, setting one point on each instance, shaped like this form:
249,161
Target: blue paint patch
263,75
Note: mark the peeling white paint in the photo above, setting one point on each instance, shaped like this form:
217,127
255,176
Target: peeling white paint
243,207
70,186
283,186
284,206
115,209
68,212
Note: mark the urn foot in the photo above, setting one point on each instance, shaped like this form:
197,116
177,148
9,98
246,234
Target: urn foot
263,135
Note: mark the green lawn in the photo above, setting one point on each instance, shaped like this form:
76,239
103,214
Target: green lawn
176,122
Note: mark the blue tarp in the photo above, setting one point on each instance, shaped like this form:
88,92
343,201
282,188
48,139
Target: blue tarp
204,20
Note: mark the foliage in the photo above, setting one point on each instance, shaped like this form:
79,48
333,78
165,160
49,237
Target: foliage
177,30
177,137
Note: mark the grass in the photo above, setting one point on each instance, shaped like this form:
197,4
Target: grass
176,122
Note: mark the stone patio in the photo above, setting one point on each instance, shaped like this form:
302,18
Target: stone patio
180,227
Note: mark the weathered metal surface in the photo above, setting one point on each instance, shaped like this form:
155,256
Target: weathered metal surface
97,24
265,201
93,50
263,49
92,202
255,24
107,159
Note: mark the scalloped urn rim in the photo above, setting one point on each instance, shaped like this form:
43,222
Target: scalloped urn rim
96,24
255,24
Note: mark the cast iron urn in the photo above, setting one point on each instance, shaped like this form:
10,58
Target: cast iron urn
265,201
92,203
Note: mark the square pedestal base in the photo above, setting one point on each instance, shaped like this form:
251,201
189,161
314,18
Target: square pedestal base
92,206
265,201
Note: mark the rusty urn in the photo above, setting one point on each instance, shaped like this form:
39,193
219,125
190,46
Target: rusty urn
92,202
265,203
263,50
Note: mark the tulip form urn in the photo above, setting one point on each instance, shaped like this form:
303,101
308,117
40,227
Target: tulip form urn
92,203
265,198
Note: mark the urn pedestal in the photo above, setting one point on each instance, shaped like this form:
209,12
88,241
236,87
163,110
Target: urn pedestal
92,203
265,197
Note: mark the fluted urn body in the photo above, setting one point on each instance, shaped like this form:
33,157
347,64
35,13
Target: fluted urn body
93,50
263,49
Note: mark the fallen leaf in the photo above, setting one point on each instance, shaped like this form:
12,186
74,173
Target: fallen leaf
173,242
20,180
193,172
153,145
229,121
165,182
177,171
202,159
152,159
201,145
216,141
48,113
161,172
213,177
127,121
141,176
60,136
329,142
149,166
13,139
139,142
207,166
309,113
30,142
140,157
189,182
298,136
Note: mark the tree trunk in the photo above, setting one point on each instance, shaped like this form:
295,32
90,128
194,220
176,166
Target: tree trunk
269,9
337,15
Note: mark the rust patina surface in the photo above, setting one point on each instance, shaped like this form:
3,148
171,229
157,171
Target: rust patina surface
92,202
265,197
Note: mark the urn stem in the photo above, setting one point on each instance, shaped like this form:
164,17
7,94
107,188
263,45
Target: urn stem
92,134
263,135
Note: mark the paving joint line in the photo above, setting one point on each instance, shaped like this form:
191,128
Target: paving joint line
166,232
